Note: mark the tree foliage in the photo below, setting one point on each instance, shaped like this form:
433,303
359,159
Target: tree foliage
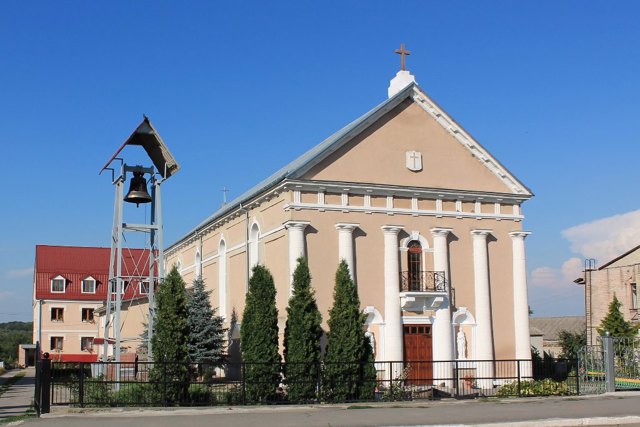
302,336
170,340
259,337
13,334
206,329
571,343
349,369
614,322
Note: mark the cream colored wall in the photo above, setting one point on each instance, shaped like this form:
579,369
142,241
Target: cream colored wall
378,156
72,328
322,245
609,282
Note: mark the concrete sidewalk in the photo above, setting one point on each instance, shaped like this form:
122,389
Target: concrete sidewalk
19,397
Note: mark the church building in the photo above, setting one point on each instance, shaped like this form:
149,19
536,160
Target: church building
428,221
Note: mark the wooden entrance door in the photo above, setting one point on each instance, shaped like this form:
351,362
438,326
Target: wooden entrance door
418,354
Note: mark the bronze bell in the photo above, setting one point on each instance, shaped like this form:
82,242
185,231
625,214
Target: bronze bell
138,190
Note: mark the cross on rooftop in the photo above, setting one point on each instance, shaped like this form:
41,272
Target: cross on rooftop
402,52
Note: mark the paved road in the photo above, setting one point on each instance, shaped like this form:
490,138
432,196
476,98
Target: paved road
517,412
19,397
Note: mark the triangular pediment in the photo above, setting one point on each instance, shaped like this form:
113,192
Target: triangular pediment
377,149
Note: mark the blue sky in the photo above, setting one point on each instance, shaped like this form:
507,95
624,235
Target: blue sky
238,89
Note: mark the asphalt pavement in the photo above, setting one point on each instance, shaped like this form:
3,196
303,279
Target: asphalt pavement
611,409
19,397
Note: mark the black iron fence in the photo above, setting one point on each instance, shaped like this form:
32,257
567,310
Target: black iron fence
170,384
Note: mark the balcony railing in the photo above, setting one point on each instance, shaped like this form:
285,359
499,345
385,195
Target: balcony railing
423,281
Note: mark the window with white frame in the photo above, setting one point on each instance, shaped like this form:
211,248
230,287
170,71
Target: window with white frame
634,296
57,284
89,285
114,286
56,343
254,245
144,287
86,343
87,315
57,314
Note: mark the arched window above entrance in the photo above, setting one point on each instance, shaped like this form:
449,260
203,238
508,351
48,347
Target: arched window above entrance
414,263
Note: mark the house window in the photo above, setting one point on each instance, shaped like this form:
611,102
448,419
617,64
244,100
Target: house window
57,285
89,286
144,287
414,262
86,343
56,343
634,296
87,314
57,314
114,287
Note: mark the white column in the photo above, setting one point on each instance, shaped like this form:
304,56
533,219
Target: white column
345,245
520,299
296,245
484,332
442,330
392,313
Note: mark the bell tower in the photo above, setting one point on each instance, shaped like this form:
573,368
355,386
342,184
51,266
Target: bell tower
148,272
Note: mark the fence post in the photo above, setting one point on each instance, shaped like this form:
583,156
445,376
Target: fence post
164,382
609,363
45,385
577,371
244,384
81,386
318,381
519,379
457,380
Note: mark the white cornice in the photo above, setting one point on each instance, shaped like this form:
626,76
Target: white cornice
468,142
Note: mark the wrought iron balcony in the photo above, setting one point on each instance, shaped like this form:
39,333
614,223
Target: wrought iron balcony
423,281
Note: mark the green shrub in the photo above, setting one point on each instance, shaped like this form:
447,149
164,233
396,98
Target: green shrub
546,387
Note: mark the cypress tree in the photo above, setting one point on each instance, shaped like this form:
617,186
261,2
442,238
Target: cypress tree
170,340
614,322
259,338
349,372
206,330
302,336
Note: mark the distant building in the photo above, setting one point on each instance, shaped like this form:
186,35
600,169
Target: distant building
70,287
619,277
545,332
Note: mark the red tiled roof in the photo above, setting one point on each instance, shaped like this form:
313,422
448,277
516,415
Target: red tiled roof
76,263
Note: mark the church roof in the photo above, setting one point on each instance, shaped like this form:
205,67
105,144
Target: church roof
298,167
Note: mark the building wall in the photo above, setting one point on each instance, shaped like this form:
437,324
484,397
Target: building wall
607,282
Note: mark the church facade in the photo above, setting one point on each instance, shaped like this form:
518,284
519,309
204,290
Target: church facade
428,221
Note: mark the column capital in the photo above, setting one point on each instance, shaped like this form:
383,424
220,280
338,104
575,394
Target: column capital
480,233
293,224
345,226
441,231
392,229
519,234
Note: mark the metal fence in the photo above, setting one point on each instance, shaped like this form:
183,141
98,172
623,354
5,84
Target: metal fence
169,384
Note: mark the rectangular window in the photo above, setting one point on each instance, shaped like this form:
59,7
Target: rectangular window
144,287
86,343
114,287
57,314
87,314
88,286
634,296
56,343
57,285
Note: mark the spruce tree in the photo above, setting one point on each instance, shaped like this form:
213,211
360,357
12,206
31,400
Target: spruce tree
206,330
170,340
614,322
349,372
259,338
302,336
